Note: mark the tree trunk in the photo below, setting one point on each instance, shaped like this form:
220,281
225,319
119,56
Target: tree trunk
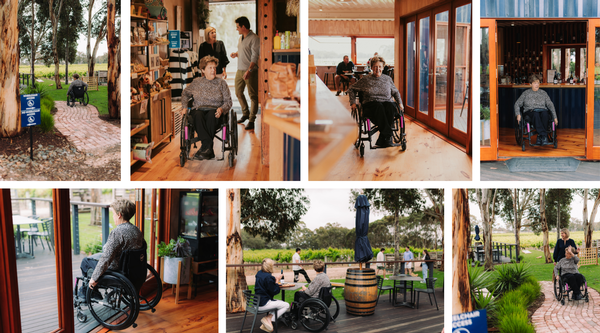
517,222
54,20
236,278
96,215
396,242
33,48
10,102
594,211
114,64
587,224
88,47
486,208
544,223
461,290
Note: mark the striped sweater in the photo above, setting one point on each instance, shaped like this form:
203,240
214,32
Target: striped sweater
181,70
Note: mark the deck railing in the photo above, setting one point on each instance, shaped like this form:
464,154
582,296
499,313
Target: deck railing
502,249
75,217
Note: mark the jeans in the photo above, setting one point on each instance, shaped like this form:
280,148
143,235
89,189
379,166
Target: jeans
425,271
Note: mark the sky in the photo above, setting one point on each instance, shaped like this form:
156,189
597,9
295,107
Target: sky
82,41
331,206
576,209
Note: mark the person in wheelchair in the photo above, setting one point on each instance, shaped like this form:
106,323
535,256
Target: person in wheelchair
570,273
379,93
266,286
211,100
124,236
322,280
536,103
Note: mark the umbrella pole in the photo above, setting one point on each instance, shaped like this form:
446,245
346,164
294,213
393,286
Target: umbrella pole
360,265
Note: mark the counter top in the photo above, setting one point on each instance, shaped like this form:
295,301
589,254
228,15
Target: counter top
283,115
332,130
544,85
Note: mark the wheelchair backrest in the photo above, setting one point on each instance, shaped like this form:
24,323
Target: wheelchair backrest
78,91
325,294
134,267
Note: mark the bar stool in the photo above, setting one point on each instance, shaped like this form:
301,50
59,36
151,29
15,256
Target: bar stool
332,74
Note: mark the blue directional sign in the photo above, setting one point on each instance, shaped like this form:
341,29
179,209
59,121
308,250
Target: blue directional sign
30,110
174,39
470,322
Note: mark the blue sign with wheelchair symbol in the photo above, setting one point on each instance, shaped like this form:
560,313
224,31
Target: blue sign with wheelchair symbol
174,39
30,110
470,322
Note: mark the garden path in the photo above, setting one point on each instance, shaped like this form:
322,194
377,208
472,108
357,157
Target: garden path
576,315
83,128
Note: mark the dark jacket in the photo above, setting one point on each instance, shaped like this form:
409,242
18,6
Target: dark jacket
265,286
342,67
561,246
218,51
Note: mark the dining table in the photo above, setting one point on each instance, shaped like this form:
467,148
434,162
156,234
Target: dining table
18,221
406,279
297,285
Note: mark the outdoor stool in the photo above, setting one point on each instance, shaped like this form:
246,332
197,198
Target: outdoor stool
430,290
252,304
383,288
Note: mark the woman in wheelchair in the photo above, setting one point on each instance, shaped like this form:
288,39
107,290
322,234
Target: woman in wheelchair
378,104
211,100
322,280
266,286
124,236
569,273
537,102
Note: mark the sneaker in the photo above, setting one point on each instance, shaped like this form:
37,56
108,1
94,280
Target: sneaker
249,126
386,279
243,119
267,324
337,93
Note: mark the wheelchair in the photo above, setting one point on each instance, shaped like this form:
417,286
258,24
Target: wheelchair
78,94
227,133
562,290
366,130
116,301
315,313
524,130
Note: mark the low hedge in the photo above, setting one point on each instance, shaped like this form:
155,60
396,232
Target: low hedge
511,311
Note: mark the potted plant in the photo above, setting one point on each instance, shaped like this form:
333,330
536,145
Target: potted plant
175,252
484,116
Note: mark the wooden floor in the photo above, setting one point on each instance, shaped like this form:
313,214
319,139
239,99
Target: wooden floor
427,157
165,162
386,319
498,171
571,142
460,121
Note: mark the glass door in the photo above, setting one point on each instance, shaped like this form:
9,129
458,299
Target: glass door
441,64
592,132
460,109
411,59
488,112
423,63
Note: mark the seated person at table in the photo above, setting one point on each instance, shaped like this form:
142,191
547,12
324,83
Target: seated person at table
209,92
125,236
322,280
76,83
570,273
266,287
532,100
343,73
378,104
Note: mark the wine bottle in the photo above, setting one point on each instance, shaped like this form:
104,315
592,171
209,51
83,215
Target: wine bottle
571,79
282,279
556,78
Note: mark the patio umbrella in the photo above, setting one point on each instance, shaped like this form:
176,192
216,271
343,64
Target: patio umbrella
362,248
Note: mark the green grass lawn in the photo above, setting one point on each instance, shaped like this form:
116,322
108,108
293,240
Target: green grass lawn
98,98
337,292
543,272
43,71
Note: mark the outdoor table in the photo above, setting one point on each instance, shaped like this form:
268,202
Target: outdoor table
19,220
406,278
297,285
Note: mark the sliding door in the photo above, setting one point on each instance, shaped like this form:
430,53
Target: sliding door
488,110
592,132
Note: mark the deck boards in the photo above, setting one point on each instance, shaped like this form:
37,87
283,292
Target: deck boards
386,319
498,171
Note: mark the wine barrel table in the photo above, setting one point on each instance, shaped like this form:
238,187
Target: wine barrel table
360,291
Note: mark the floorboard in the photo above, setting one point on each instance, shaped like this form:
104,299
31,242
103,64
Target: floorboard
427,157
386,319
571,142
498,171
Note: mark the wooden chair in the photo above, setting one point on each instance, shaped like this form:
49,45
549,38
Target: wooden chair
252,304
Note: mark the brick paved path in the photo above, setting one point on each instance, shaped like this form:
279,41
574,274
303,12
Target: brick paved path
574,316
82,127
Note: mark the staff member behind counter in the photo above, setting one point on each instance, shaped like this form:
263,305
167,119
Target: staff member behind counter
536,99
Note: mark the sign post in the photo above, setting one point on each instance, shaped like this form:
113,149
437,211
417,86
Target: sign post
30,115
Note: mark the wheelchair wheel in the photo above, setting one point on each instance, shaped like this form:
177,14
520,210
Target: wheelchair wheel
294,325
233,131
119,306
70,101
81,317
397,135
230,159
85,100
558,292
154,298
314,315
362,150
334,308
519,132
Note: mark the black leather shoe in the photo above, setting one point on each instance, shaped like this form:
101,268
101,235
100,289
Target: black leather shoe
207,155
391,143
545,140
539,140
250,125
243,119
577,297
337,93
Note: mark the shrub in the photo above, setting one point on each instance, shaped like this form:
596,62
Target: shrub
517,322
482,300
94,247
479,278
48,101
509,277
36,89
47,119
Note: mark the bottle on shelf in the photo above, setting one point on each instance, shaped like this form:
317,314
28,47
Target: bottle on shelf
282,279
571,78
556,78
282,44
277,41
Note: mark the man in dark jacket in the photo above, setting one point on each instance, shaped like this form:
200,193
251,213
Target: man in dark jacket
344,74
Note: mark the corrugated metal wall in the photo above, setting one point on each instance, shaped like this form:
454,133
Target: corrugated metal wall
540,8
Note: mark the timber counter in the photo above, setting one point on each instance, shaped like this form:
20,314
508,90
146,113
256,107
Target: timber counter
568,99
